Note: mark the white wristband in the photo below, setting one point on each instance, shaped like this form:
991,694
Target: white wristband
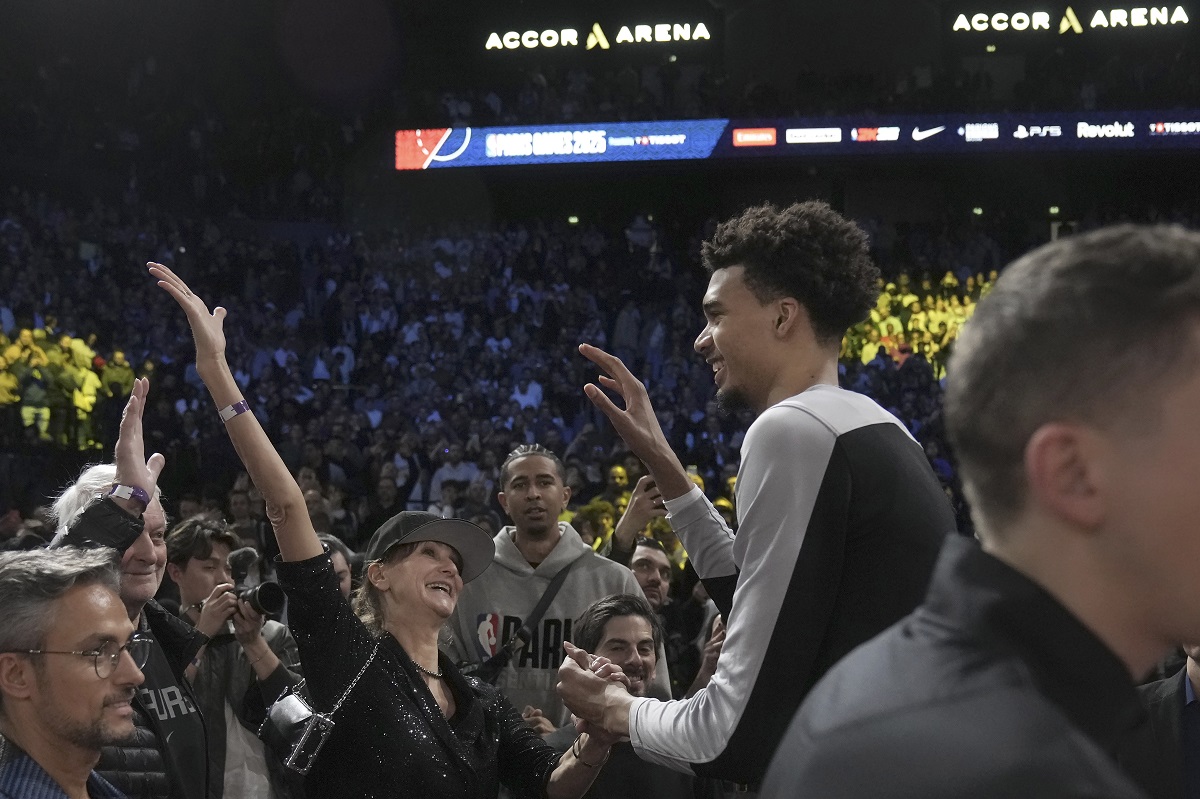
230,411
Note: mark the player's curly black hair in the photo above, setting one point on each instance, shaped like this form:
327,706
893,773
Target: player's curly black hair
807,251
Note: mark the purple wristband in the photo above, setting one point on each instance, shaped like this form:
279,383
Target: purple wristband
130,492
230,411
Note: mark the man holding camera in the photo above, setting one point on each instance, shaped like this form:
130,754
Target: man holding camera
240,673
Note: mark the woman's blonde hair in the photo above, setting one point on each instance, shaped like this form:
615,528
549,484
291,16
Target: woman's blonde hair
368,600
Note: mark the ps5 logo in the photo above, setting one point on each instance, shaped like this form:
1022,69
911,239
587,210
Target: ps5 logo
1037,132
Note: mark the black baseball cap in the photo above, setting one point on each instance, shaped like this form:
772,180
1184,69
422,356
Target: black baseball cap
472,543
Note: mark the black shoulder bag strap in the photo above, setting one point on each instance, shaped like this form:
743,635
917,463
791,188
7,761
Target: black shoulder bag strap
490,669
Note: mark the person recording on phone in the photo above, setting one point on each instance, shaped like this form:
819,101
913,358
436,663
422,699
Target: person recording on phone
248,662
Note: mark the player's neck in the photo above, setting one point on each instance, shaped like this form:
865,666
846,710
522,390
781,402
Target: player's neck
799,378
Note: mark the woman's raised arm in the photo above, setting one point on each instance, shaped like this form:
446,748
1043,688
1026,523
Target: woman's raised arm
285,502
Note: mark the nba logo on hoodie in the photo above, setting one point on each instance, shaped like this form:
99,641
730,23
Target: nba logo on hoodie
487,633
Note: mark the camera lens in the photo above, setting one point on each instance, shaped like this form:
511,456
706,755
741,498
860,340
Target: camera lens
266,598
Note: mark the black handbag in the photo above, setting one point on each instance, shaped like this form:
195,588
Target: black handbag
295,732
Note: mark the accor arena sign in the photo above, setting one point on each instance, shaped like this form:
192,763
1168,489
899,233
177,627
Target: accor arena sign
1068,21
597,37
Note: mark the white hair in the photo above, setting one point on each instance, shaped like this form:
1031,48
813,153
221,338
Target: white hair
77,496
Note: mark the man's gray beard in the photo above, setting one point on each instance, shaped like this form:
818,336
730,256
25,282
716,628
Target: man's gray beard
93,736
730,401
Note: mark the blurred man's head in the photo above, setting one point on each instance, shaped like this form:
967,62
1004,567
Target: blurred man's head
624,629
239,505
340,555
594,520
189,506
653,570
1071,404
618,478
385,491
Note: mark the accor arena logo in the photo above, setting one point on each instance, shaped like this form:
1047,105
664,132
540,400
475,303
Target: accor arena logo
1137,17
597,38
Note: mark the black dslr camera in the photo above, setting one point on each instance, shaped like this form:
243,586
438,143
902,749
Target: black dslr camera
267,597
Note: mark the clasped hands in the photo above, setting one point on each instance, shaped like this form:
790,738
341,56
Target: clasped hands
596,690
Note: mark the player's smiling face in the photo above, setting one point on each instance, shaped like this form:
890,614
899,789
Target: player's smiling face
737,335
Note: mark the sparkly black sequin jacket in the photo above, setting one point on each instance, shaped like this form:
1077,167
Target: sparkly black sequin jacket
391,739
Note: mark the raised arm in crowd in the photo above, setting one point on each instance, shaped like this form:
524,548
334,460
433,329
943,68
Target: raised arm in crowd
406,716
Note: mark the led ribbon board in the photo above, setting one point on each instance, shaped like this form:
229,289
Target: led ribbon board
439,148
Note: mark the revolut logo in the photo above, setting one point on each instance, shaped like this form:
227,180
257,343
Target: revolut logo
1116,130
1138,17
597,38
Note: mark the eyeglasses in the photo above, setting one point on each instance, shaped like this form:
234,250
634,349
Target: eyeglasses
106,658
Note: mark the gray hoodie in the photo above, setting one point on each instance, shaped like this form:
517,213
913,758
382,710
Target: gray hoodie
492,606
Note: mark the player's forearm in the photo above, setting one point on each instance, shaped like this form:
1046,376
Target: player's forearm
668,472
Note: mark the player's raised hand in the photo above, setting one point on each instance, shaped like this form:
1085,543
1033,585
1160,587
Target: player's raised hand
635,423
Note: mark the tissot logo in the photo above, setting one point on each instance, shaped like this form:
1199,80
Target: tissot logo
1175,128
597,38
1069,22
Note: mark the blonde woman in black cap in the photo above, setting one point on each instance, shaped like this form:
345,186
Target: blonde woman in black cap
409,724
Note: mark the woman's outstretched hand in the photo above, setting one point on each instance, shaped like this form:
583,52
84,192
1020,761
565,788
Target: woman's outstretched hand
208,329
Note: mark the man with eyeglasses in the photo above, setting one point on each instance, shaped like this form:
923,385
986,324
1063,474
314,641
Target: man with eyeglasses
117,507
70,664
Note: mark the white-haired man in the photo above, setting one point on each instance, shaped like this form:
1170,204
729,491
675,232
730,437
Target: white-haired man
118,506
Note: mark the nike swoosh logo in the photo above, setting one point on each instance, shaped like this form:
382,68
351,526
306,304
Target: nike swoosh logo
920,135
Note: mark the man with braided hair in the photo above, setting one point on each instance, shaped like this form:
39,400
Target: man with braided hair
529,553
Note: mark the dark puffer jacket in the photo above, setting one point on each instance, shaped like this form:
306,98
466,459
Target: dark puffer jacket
137,768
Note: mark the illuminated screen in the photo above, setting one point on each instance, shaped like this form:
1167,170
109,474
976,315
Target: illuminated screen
789,138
